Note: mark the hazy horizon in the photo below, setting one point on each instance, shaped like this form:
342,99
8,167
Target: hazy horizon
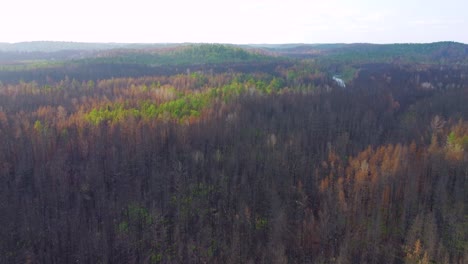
239,22
223,43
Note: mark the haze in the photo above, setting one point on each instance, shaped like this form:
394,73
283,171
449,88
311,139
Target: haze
241,21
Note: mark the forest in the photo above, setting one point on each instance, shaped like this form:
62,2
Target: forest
213,153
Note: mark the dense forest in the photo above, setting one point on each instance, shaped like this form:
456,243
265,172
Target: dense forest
230,154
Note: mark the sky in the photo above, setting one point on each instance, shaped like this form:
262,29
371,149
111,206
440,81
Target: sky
239,21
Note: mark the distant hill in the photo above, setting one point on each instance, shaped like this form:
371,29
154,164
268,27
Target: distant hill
201,54
438,52
297,48
54,46
182,55
427,52
138,53
91,64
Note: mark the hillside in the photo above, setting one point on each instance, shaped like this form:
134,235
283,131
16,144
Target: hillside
434,53
183,55
83,65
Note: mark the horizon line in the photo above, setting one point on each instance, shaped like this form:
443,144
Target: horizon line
223,43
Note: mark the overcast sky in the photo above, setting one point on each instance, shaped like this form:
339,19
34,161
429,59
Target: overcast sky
239,21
